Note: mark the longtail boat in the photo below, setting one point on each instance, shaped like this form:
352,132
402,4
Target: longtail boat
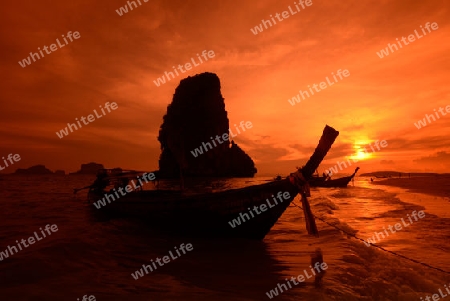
325,182
211,213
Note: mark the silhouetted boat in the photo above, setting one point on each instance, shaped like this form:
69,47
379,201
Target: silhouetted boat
323,182
210,213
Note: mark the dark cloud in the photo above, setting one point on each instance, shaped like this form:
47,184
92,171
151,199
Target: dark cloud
263,152
441,159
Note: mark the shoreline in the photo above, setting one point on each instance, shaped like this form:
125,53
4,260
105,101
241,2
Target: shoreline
436,186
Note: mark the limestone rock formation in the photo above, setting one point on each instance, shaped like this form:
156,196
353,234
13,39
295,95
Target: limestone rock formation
34,170
197,115
89,169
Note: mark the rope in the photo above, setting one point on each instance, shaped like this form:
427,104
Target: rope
376,246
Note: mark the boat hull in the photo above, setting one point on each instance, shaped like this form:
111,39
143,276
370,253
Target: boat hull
321,182
208,214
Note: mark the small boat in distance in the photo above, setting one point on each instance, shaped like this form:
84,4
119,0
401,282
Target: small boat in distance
225,213
324,181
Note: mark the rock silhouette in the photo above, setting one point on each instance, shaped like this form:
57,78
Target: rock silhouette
34,170
197,114
89,169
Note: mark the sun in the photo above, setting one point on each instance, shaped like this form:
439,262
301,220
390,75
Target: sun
360,153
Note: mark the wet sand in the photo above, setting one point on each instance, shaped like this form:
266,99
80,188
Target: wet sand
437,186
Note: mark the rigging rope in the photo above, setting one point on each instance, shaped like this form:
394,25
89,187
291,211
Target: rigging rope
377,246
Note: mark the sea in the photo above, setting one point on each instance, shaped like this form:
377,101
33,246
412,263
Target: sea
94,258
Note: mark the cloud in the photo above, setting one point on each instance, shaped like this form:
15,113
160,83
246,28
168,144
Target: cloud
261,151
439,158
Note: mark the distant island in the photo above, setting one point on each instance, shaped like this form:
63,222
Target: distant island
35,170
89,169
86,169
396,174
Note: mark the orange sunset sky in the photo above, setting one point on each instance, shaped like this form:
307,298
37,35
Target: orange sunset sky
117,58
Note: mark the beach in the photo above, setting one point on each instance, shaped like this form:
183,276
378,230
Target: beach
433,185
